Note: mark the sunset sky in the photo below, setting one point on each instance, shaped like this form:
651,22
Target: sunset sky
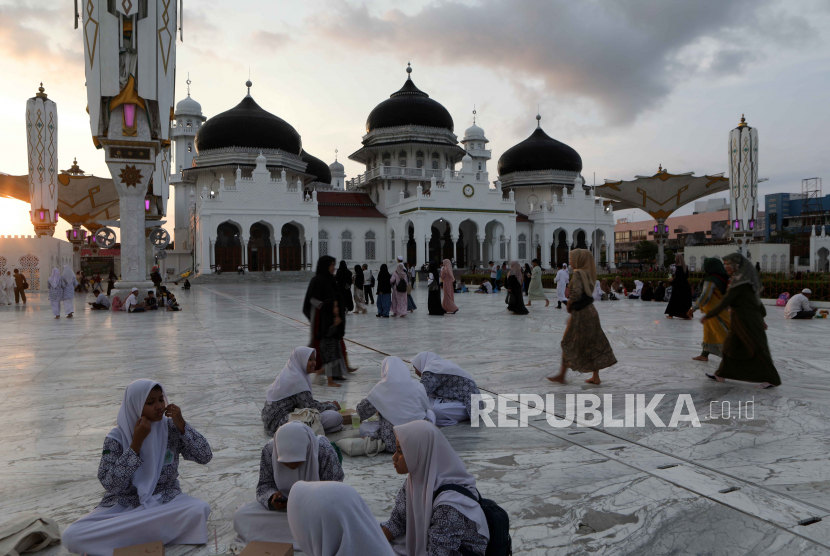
629,84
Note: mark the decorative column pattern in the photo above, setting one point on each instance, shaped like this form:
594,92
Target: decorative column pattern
42,151
743,179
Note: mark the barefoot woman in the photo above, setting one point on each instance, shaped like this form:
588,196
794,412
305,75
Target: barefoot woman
584,346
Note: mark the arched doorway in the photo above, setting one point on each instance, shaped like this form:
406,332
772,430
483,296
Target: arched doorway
259,248
560,249
822,256
580,240
290,249
228,249
440,242
411,246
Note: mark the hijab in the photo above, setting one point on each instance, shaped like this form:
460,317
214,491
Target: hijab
322,287
447,266
429,362
69,277
432,463
516,270
400,270
744,273
55,278
329,518
397,397
433,270
293,378
638,287
154,448
584,268
358,276
604,286
383,278
597,295
293,442
715,273
680,261
343,276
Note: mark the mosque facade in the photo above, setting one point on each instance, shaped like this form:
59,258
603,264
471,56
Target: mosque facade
248,194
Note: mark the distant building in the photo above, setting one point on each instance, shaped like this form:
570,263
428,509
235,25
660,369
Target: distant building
784,214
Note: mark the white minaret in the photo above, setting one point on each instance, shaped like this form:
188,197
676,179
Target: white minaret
42,150
743,181
474,143
338,174
189,119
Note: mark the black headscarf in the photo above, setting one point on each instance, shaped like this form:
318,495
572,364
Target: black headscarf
322,287
715,273
384,284
344,276
358,277
433,270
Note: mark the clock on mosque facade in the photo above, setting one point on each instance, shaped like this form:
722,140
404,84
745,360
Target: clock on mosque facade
468,190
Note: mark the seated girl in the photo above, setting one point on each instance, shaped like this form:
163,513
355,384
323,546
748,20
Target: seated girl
139,471
331,518
452,523
292,390
448,387
294,454
397,399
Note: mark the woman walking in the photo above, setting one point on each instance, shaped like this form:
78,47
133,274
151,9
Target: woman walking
746,354
399,281
527,275
434,300
56,286
359,300
448,278
514,290
585,348
111,282
711,294
562,280
322,288
681,295
535,289
344,288
68,298
384,292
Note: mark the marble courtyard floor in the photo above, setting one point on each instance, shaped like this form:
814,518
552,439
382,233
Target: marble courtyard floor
567,491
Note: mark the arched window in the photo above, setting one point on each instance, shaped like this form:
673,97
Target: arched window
346,245
522,247
693,263
392,240
189,123
419,159
323,246
402,159
436,161
190,147
774,263
387,159
370,245
764,262
502,248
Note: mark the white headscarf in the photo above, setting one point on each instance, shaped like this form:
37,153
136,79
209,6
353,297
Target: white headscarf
597,292
55,278
293,378
69,276
638,287
293,442
154,448
397,397
329,518
432,463
9,279
426,361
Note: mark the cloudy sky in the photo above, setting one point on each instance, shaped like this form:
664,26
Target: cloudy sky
629,84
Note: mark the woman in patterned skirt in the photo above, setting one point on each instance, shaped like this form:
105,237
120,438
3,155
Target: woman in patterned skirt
712,289
584,346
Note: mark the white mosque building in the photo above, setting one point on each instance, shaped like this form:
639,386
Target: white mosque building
246,193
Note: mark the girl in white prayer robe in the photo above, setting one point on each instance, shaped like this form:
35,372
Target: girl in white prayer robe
55,284
139,471
449,388
9,282
562,279
69,285
331,519
295,454
451,523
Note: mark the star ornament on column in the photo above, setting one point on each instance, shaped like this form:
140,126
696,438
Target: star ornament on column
130,175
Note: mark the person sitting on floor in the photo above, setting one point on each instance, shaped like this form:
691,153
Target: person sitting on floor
448,386
397,399
798,307
186,284
101,303
638,289
294,454
139,471
172,304
421,522
291,390
150,301
647,293
461,288
659,291
485,287
131,304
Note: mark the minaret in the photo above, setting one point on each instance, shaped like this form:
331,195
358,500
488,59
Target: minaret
743,181
338,174
42,150
189,119
474,143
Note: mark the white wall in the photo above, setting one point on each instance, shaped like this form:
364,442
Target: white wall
35,257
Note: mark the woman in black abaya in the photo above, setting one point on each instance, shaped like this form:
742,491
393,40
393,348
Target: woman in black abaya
434,289
344,288
681,294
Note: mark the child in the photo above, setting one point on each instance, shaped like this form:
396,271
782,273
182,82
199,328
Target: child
150,301
172,304
333,328
462,288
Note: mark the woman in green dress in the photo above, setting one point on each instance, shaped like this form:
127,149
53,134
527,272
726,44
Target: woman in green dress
535,290
745,350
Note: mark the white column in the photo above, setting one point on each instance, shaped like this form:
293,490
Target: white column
277,255
211,257
481,250
546,262
420,246
455,249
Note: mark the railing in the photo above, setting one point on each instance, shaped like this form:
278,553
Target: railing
387,172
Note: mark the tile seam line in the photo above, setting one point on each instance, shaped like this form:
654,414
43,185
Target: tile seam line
619,438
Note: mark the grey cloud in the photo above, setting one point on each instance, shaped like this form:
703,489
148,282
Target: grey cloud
36,35
626,56
271,40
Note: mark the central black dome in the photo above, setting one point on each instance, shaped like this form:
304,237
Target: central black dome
409,106
539,152
248,125
317,168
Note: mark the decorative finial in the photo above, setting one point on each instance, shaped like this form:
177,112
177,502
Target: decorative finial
474,114
743,121
538,121
188,83
660,168
249,85
408,69
335,154
41,92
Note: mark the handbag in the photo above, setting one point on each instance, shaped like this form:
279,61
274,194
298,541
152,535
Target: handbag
361,446
400,287
310,417
28,533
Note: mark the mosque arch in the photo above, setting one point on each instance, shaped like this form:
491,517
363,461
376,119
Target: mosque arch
291,250
346,245
559,249
523,247
440,242
468,248
323,243
580,239
228,246
369,245
411,243
260,247
821,259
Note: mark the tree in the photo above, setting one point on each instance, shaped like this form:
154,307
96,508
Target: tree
645,251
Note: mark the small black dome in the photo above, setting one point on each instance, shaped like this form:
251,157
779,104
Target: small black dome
316,167
248,125
539,152
409,106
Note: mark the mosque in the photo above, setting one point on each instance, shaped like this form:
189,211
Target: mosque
247,193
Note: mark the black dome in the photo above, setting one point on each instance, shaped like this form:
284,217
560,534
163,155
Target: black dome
409,106
248,125
316,167
539,152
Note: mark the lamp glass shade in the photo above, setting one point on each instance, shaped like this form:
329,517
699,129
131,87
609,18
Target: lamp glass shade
129,115
752,224
146,204
737,225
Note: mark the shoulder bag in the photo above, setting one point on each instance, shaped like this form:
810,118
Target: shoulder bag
361,446
310,417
